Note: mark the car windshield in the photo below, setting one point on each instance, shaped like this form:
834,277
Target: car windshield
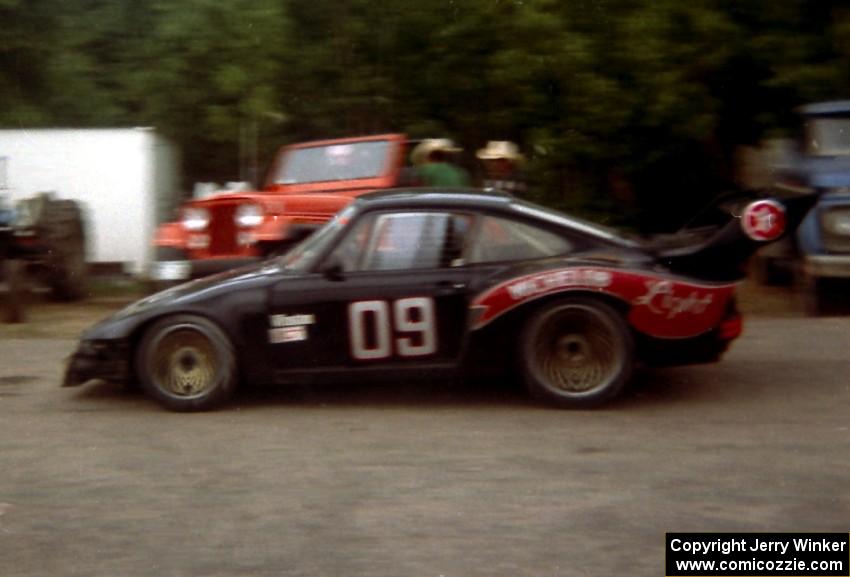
828,136
303,255
349,161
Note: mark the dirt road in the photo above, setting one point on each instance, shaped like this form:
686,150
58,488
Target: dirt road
425,480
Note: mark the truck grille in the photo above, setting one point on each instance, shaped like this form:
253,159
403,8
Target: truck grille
836,230
222,230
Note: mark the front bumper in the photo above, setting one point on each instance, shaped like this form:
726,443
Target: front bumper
823,265
106,360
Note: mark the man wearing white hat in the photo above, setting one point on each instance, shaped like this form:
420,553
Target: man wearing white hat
502,160
433,167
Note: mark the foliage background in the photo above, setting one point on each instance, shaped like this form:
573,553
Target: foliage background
630,109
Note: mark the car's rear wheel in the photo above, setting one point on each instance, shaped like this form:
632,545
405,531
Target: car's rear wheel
186,363
576,353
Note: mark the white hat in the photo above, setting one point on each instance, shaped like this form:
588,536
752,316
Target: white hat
496,149
424,149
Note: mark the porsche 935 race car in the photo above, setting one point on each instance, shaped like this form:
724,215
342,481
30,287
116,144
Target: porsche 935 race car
436,282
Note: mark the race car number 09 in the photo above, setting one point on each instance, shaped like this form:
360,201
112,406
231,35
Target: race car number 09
370,328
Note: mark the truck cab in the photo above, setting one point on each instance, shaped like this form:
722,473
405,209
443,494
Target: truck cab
307,184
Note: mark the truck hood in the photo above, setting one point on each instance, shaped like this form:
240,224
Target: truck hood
282,204
324,204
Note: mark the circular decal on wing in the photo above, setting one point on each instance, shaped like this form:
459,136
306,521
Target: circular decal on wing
764,220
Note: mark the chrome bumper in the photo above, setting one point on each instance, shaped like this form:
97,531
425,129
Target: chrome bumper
834,266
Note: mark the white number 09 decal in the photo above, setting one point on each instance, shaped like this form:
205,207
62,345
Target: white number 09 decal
370,329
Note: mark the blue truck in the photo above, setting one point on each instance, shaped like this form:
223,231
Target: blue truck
821,164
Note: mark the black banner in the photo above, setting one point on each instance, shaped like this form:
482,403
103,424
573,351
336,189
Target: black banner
758,554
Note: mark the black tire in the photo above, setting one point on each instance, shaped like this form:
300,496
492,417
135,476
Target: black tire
61,232
15,275
186,363
775,263
770,271
576,353
824,296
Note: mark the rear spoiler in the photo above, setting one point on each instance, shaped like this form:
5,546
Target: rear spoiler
723,255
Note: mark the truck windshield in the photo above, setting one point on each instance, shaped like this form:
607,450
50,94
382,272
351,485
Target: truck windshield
347,161
828,136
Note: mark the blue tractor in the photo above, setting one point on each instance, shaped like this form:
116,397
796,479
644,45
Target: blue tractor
42,238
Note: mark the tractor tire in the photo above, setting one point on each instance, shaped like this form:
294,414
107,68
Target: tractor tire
14,274
62,233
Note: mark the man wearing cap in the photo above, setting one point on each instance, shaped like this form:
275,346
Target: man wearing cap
502,161
433,166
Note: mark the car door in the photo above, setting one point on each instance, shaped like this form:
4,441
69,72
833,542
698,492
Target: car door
393,293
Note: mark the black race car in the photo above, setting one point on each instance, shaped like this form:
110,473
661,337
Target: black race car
423,282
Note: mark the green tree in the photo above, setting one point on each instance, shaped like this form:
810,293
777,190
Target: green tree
207,73
629,108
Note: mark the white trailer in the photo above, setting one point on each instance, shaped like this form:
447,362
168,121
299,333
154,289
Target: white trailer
126,179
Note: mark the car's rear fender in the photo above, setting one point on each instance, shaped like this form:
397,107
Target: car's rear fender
497,339
494,345
661,306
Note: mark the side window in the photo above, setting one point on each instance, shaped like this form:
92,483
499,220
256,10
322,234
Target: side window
501,239
402,241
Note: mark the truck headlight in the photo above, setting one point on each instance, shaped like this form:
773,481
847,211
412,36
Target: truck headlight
248,215
837,222
195,219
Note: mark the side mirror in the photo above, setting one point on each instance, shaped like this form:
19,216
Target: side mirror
334,271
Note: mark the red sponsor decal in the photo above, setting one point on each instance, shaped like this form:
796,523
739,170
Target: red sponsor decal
660,307
764,220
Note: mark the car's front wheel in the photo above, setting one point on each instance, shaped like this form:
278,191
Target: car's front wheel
576,353
186,363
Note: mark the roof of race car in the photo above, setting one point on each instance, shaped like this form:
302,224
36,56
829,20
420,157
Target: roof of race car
484,199
472,197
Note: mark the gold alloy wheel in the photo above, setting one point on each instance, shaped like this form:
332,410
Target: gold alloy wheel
576,350
184,362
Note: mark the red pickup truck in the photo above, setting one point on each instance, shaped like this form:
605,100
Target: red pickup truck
307,184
